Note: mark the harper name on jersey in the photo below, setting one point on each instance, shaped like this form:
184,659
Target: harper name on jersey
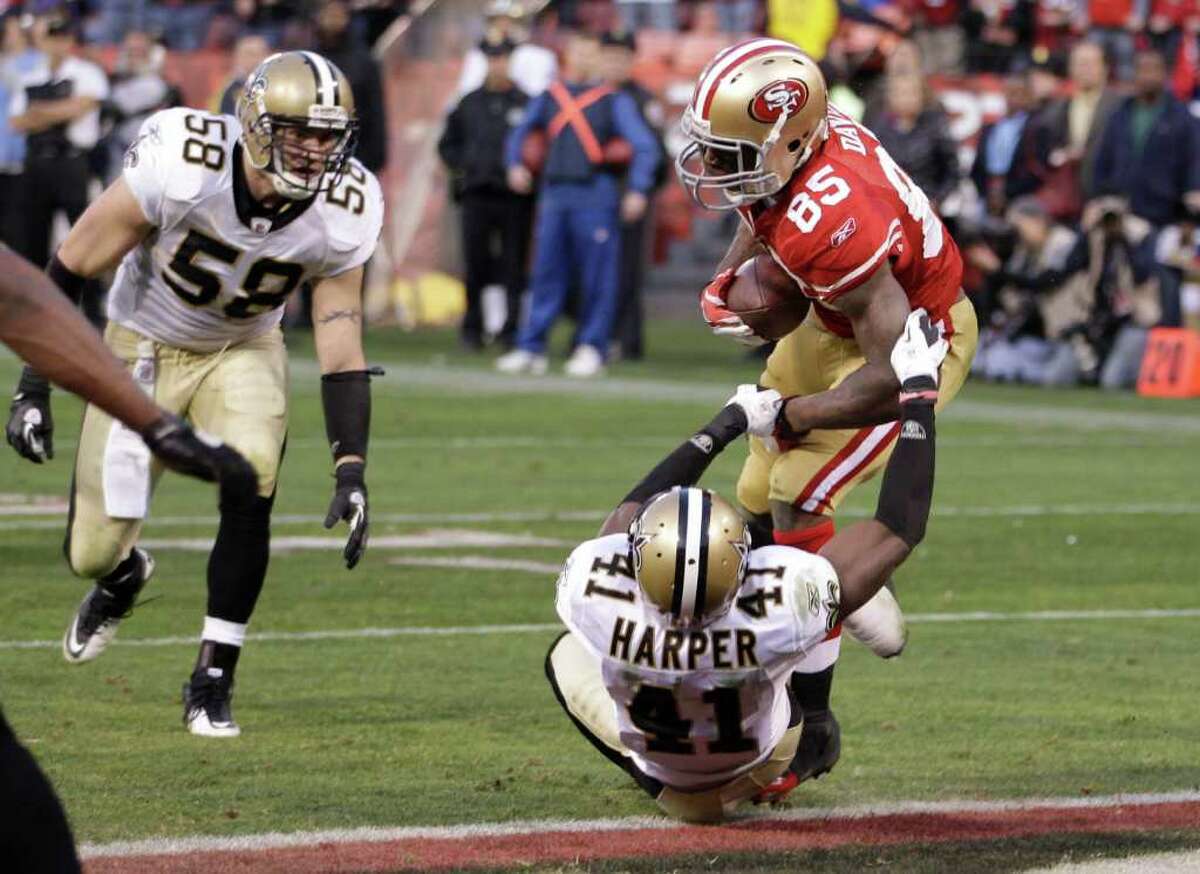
217,270
697,707
845,212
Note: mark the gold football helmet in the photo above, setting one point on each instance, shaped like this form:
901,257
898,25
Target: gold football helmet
298,122
690,549
756,115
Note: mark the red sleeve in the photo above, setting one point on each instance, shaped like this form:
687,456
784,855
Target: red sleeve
845,248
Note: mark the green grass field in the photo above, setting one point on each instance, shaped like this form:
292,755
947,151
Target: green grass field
1066,501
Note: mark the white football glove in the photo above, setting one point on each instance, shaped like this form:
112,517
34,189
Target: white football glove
761,406
920,350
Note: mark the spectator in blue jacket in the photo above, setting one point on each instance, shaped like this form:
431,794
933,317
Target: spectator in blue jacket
1149,156
593,134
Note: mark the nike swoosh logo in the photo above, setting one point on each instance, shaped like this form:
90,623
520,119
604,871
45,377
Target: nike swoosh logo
73,647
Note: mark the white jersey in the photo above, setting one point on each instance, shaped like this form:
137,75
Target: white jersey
699,707
216,271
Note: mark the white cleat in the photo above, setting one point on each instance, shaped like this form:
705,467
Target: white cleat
206,699
523,361
586,363
879,625
95,623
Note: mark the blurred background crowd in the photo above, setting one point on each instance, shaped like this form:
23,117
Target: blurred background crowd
1059,139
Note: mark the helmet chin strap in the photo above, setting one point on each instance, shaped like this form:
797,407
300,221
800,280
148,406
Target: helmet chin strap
288,189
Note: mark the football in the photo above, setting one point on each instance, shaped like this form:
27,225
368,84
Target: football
766,298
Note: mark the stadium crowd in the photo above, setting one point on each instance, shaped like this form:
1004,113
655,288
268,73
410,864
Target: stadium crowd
1076,206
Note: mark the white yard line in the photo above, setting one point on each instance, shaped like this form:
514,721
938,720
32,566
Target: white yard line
282,840
478,562
448,538
1015,511
482,382
458,443
542,627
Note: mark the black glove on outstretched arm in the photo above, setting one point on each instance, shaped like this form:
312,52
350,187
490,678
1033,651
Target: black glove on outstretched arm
30,429
350,503
184,451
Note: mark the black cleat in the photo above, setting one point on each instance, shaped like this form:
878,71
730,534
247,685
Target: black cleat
206,710
95,622
820,746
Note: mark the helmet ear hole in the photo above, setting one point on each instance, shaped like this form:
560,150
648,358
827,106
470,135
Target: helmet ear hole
793,146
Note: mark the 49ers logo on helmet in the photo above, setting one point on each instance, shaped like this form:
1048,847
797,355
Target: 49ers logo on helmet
785,97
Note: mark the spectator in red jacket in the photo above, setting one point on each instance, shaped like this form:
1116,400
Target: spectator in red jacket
1113,24
939,33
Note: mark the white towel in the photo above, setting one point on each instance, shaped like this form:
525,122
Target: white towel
126,474
126,456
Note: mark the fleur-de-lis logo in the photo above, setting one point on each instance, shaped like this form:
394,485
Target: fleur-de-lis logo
637,541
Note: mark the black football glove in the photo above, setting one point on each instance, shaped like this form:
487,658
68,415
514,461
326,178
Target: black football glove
350,503
182,450
30,429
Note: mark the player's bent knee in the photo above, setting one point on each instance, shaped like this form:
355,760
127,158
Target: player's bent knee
752,486
91,555
264,458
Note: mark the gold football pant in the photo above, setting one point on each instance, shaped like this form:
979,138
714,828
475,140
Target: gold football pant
575,675
828,464
238,394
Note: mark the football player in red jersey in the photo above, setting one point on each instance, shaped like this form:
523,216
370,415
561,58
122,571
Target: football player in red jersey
817,191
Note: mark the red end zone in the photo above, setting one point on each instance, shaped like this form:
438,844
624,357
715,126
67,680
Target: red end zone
787,831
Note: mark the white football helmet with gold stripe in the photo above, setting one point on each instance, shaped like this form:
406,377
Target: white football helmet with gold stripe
756,115
689,554
298,122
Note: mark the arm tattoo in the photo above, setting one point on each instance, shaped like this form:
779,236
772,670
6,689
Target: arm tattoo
350,315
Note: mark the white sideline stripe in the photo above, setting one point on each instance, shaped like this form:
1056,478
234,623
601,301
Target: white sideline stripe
375,834
538,627
1178,862
1019,510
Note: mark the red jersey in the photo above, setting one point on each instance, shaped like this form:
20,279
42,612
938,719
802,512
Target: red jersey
1109,13
849,209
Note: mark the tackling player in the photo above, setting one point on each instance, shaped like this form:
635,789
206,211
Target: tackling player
682,637
215,221
39,325
818,192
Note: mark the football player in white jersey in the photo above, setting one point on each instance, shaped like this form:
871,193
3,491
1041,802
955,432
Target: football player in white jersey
214,222
682,637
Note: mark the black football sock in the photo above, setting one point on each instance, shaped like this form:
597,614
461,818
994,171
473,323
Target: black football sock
237,565
812,690
222,656
123,582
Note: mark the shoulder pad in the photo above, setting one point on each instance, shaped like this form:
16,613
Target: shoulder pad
353,210
188,150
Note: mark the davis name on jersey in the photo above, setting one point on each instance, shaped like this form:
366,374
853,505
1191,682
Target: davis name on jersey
848,210
697,707
215,271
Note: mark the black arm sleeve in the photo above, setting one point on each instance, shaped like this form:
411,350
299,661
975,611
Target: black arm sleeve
346,399
689,461
907,490
31,382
